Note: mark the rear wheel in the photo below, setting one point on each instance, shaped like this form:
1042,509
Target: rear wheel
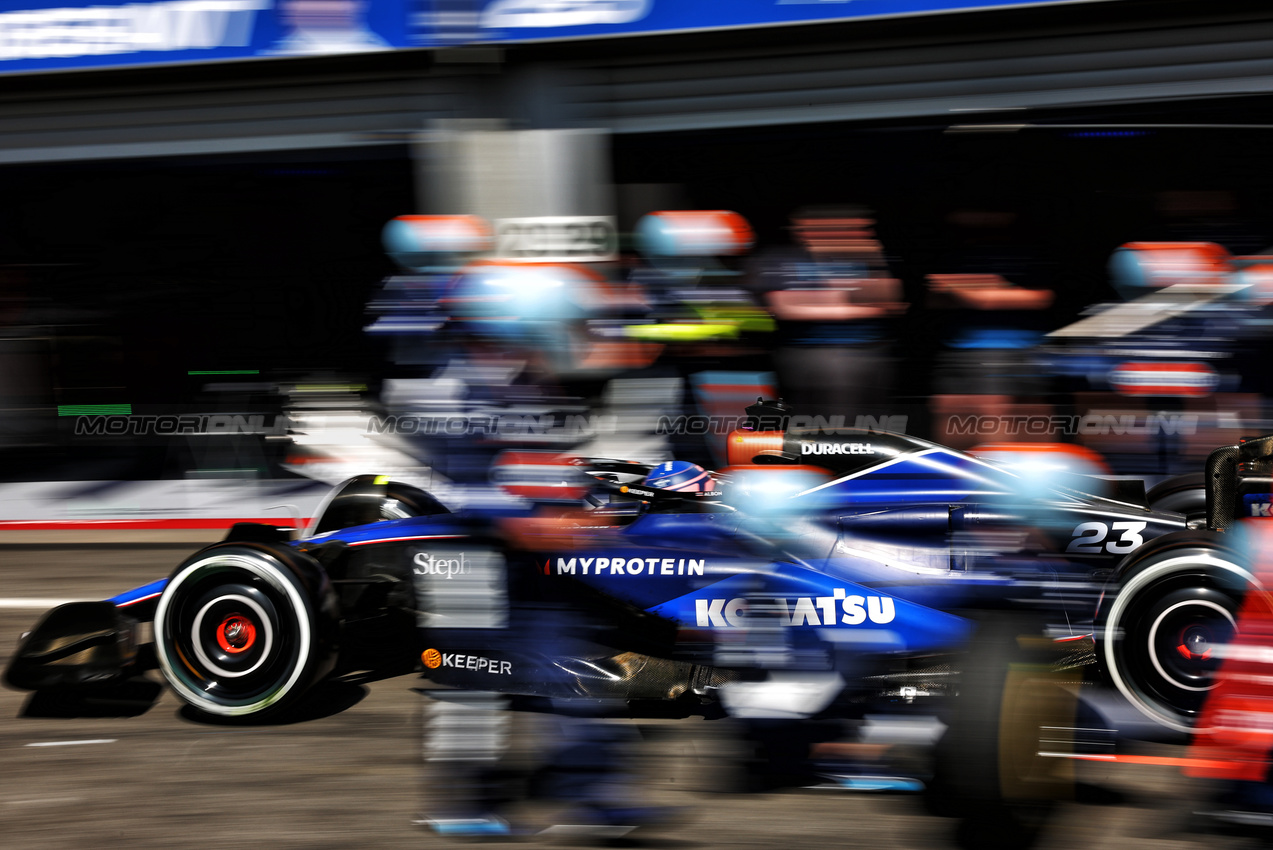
1159,631
245,629
1184,494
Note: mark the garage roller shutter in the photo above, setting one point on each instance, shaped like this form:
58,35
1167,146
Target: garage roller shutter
855,81
144,118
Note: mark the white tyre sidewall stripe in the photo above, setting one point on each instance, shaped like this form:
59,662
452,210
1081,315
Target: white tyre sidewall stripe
270,573
1128,592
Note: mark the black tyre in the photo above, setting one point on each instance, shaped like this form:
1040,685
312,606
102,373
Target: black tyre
1184,494
245,629
991,771
365,499
1171,606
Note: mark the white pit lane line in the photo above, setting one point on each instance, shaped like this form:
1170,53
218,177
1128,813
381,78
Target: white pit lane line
72,743
18,603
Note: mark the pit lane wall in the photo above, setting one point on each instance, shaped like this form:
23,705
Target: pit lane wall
195,511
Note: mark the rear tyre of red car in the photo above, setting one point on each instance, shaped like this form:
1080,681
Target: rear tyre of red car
244,629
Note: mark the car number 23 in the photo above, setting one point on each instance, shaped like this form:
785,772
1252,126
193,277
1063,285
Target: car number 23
1089,537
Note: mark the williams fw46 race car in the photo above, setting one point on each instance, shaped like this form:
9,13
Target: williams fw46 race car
895,575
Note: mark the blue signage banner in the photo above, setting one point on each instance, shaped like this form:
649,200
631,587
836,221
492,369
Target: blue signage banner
46,35
51,35
495,21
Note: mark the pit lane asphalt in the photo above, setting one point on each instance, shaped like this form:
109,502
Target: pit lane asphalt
352,776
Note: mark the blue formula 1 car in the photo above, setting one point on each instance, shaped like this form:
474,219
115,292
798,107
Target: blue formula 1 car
872,565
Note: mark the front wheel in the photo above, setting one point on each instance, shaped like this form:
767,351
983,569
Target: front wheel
1162,628
245,629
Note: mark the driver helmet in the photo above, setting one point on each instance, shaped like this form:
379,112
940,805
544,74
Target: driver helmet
680,476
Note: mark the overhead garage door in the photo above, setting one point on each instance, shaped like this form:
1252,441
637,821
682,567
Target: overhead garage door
155,112
963,72
978,64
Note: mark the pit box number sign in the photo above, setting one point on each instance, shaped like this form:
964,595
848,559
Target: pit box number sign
557,239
